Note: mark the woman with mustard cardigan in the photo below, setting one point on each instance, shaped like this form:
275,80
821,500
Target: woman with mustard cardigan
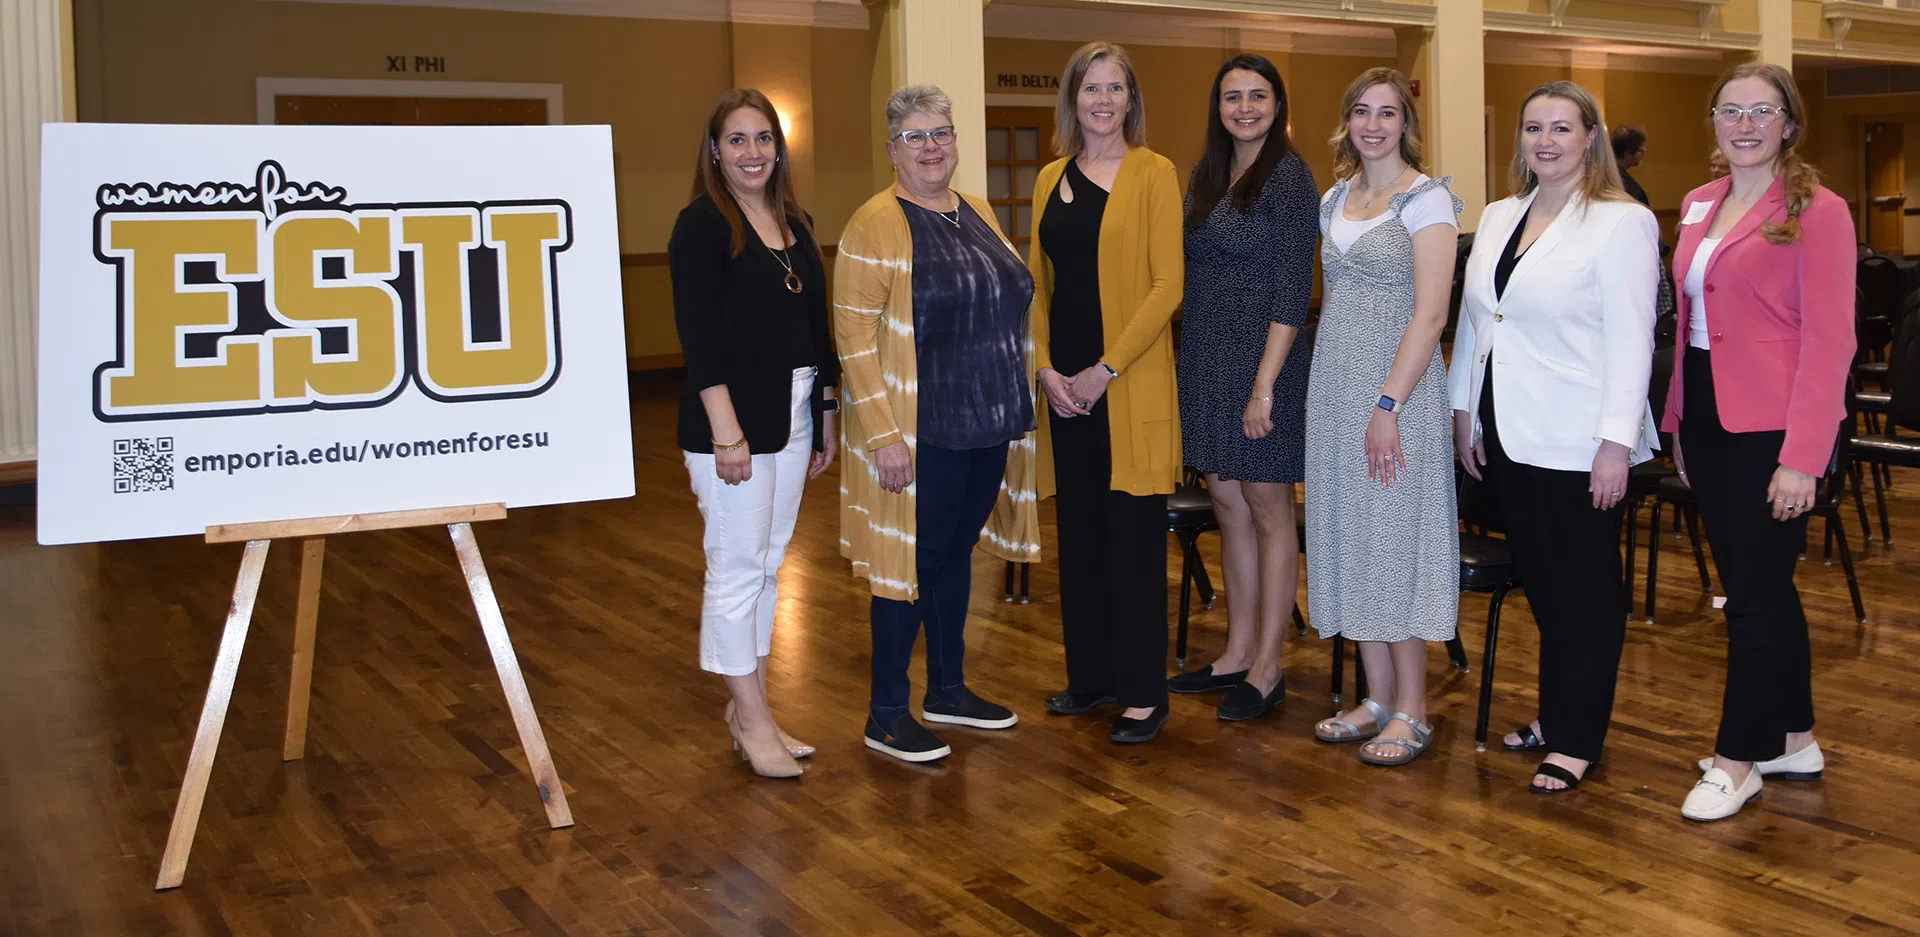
1107,265
930,314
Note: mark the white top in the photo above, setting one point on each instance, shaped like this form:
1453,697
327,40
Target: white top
1696,294
1434,206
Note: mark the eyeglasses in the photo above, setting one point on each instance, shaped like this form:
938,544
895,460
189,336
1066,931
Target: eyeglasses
918,139
1762,115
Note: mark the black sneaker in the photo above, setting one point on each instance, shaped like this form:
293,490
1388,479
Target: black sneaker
1244,701
1204,680
907,740
970,711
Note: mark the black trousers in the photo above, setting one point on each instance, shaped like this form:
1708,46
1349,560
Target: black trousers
1569,559
1769,658
1113,569
954,492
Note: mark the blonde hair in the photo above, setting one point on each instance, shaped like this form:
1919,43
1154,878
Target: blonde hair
1346,156
1067,140
1800,178
1601,179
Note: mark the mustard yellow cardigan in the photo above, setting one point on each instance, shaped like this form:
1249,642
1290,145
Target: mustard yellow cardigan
880,387
1142,263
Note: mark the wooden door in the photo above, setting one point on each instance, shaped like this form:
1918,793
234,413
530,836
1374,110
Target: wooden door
407,111
1886,189
1019,142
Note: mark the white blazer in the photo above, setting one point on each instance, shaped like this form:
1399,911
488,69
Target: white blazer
1571,338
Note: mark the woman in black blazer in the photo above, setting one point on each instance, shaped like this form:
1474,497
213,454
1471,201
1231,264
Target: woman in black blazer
757,408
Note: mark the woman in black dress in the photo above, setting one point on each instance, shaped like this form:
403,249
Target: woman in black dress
1252,223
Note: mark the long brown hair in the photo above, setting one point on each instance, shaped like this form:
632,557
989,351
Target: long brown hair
1212,177
709,181
1066,111
1346,156
1601,179
1800,178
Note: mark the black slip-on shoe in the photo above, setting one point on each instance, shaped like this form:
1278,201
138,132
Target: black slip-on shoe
971,711
1204,680
1134,731
906,740
1073,704
1244,701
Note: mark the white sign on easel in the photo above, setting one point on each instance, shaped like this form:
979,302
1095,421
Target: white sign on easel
268,332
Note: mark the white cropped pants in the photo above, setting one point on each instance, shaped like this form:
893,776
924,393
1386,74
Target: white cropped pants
748,528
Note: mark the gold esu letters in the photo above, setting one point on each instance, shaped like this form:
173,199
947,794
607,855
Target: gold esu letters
283,296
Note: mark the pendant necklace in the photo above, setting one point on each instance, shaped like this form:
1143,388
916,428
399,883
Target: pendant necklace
793,279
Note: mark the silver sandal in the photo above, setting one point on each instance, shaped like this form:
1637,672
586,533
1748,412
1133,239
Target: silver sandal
1409,749
1333,730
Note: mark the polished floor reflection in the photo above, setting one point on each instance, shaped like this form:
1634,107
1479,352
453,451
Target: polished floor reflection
412,813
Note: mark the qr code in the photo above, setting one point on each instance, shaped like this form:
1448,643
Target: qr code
142,465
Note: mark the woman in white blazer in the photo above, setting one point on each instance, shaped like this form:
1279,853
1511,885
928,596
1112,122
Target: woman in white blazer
1556,326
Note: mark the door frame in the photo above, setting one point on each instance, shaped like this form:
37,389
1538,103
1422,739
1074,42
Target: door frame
267,89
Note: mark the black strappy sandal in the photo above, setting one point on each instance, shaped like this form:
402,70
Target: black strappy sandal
1530,741
1562,775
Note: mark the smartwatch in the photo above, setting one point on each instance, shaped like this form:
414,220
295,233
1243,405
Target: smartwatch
1388,403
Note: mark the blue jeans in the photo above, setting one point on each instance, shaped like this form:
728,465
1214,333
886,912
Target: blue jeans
955,490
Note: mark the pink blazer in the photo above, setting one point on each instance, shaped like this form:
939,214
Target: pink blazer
1780,321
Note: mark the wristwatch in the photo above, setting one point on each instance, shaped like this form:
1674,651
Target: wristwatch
1110,371
829,405
1388,403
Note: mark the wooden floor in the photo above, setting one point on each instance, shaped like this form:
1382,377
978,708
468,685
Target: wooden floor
413,813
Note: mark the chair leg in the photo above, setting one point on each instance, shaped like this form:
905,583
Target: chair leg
1653,557
1457,653
1860,506
1699,558
1846,563
1486,668
1009,579
1880,498
1339,666
1200,578
1632,520
1299,620
1026,583
1186,599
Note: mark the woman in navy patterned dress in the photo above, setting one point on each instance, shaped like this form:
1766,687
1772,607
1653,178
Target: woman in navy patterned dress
1252,222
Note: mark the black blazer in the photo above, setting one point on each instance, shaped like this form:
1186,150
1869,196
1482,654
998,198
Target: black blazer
725,309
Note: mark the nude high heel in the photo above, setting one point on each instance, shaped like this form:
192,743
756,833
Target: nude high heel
795,747
775,768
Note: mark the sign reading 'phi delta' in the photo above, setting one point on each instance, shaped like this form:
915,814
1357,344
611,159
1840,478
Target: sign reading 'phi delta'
256,323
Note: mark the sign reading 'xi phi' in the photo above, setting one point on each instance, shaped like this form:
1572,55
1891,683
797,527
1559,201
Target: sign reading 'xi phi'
258,323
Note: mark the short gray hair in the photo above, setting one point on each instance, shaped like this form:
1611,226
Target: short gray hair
916,99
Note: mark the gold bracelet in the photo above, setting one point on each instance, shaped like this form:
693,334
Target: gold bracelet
1262,398
729,447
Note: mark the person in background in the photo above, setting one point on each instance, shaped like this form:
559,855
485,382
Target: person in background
1252,223
1107,272
1383,540
757,406
1557,328
930,315
1629,148
1765,344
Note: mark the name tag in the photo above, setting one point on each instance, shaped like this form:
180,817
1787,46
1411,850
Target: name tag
1697,212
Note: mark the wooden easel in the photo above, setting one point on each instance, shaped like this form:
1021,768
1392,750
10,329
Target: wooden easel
226,663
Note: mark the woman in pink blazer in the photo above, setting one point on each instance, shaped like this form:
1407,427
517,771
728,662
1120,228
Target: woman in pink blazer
1766,264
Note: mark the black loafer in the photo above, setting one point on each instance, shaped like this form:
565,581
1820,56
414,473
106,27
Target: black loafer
1134,731
1204,680
1244,701
1073,704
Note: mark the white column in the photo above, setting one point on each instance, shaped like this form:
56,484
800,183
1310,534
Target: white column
938,42
1776,33
36,86
1456,139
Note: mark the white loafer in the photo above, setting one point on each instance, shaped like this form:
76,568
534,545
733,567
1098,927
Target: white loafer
1716,797
1803,765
